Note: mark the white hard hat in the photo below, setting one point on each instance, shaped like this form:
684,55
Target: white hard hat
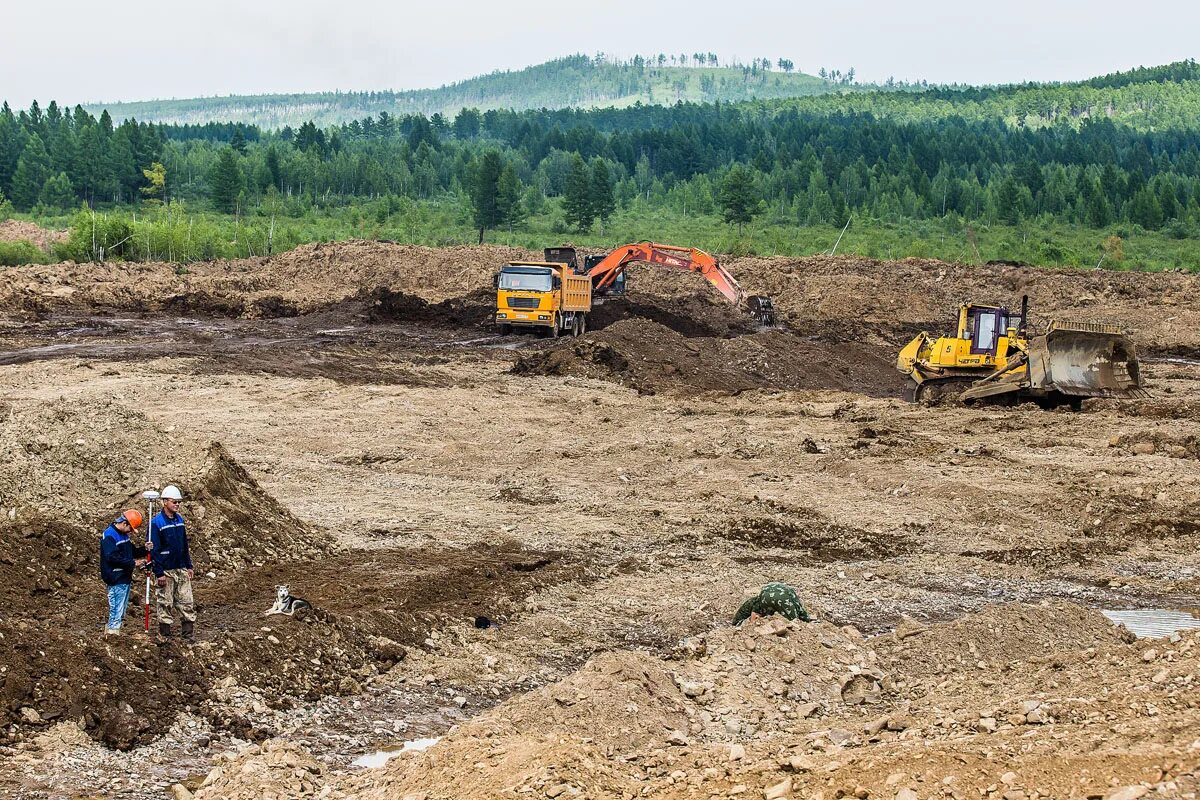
171,493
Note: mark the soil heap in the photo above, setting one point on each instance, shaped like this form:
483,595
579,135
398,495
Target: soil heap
1015,698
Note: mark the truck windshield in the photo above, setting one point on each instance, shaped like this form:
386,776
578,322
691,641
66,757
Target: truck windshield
529,280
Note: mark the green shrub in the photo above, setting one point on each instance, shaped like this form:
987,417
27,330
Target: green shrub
13,254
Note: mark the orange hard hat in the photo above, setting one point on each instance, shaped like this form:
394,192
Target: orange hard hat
133,517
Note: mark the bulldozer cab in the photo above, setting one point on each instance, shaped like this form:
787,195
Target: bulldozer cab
983,326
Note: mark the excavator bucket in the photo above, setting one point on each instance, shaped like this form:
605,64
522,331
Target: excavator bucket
1084,359
761,309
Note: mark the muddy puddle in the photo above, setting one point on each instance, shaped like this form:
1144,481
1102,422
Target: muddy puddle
124,338
1154,623
381,757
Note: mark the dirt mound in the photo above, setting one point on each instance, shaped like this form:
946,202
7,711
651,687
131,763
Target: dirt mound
998,635
474,308
650,357
809,707
274,769
700,315
82,461
15,230
300,281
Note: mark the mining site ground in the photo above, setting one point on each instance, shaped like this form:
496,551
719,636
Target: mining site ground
343,420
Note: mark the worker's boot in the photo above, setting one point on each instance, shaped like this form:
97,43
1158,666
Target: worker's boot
185,630
164,631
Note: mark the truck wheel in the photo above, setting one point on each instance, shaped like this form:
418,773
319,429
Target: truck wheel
575,326
582,324
505,329
554,329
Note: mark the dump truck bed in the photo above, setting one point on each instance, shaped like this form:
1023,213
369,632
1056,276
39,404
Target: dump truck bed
576,291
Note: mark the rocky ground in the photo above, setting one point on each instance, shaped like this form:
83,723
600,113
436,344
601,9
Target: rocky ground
342,420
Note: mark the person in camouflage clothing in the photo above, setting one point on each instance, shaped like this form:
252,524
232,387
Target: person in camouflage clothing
775,598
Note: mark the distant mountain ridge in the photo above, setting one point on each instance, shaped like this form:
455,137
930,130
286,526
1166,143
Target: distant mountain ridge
572,82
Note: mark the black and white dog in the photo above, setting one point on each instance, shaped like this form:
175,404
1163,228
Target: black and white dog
288,605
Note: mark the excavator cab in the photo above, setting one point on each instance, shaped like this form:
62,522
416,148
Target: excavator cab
619,284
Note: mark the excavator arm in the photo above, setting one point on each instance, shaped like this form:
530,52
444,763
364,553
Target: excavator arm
606,271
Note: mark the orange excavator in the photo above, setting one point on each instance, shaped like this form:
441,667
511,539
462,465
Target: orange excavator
545,294
606,270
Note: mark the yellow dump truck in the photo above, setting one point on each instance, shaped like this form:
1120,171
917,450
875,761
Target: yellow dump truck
549,297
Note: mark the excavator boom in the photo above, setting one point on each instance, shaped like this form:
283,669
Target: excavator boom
605,273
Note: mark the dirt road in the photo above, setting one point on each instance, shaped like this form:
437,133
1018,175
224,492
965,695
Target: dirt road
342,420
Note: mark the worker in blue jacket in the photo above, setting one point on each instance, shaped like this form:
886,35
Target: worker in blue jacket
118,561
173,567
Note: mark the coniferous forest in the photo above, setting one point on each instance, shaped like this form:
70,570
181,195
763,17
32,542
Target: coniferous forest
1059,170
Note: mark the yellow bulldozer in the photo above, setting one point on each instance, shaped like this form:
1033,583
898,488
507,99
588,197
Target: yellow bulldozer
994,358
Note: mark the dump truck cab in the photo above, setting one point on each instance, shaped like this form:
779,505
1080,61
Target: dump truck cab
549,297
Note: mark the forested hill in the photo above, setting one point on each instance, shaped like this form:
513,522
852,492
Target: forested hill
573,82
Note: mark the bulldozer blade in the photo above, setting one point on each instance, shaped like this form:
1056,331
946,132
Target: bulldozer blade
1084,360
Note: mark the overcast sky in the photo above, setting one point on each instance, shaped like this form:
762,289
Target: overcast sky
76,51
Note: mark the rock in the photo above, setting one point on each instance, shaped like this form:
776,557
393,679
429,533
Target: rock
781,789
986,725
1030,705
774,626
1143,449
30,715
736,752
180,792
557,789
1161,676
1036,717
460,701
909,627
1149,655
899,722
840,735
894,778
678,738
906,794
1127,793
693,689
806,710
801,764
1008,778
875,726
212,777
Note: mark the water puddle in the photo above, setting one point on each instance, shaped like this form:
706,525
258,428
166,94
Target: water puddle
1154,622
381,757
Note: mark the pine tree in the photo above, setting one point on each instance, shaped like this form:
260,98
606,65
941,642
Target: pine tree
57,193
275,168
238,141
485,192
1008,201
508,198
225,181
739,200
577,203
1144,210
33,170
601,192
